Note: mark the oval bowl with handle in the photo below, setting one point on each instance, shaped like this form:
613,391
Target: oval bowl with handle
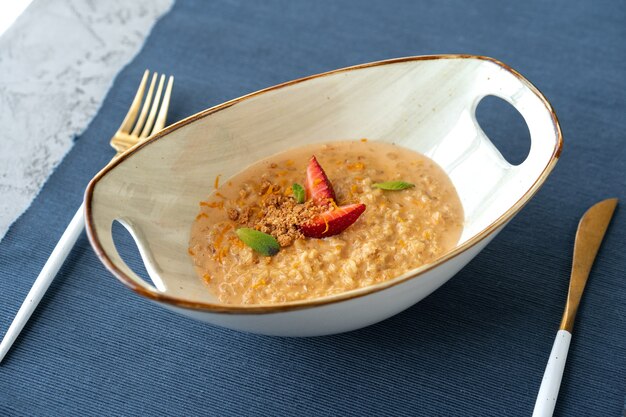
424,103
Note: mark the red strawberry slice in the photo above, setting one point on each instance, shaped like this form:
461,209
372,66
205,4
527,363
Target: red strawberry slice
318,187
332,222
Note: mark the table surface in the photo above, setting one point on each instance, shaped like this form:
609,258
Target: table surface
477,346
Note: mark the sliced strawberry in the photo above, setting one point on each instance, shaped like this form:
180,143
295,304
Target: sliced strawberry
318,187
332,222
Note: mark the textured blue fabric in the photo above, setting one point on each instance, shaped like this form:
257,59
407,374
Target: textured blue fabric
478,346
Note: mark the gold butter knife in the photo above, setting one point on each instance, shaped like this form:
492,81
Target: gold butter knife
589,235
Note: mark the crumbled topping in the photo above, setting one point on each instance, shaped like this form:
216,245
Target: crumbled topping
276,214
233,214
244,216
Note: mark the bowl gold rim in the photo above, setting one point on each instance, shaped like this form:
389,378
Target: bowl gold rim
349,295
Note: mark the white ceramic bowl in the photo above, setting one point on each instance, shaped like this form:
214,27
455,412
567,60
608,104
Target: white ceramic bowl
424,103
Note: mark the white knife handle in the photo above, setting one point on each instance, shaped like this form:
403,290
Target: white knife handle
551,382
45,278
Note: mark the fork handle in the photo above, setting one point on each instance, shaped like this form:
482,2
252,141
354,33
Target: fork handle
43,281
551,382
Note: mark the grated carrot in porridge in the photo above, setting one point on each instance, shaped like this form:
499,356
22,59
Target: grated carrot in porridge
382,233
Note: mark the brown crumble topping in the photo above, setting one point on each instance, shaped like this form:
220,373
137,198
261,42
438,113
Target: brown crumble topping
233,214
245,215
277,214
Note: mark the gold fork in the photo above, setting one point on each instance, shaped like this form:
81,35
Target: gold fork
132,131
126,138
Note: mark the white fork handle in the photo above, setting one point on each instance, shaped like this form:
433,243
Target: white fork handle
551,382
47,274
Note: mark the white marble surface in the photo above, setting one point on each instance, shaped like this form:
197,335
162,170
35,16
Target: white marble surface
57,63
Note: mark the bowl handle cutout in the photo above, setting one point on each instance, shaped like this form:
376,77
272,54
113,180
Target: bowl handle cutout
127,248
541,121
505,127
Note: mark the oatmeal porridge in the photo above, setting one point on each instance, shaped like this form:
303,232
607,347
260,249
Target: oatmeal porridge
296,226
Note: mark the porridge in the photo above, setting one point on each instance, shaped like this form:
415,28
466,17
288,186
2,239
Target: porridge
296,226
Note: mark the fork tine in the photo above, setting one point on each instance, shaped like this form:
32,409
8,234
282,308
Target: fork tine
145,107
153,110
129,120
160,121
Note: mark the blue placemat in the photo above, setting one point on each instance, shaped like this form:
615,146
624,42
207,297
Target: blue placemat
477,346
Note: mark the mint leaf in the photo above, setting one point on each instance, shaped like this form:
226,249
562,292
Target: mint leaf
261,242
393,185
298,193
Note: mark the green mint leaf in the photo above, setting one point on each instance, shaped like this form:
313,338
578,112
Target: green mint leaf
261,242
298,193
393,185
